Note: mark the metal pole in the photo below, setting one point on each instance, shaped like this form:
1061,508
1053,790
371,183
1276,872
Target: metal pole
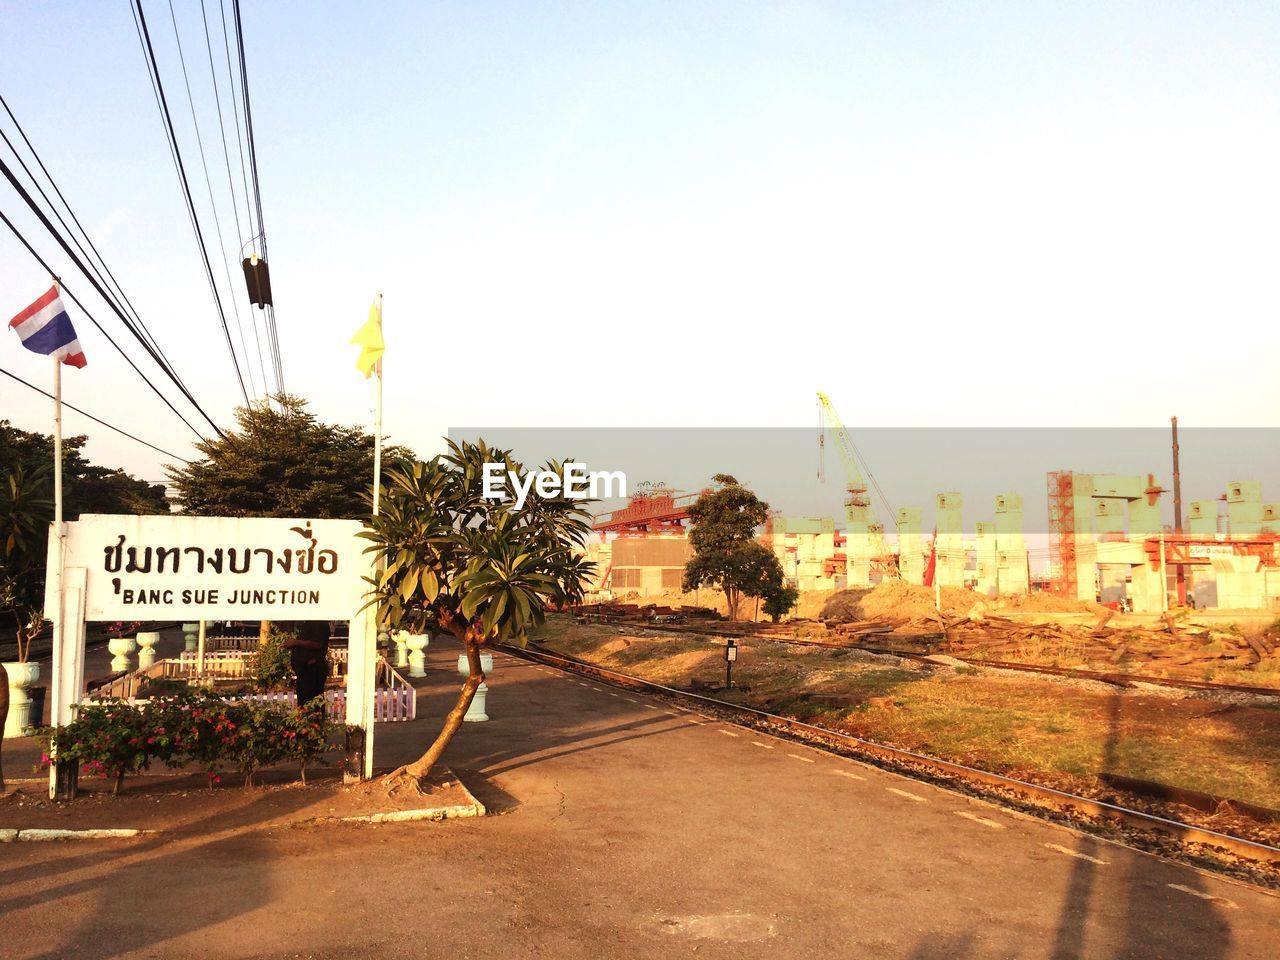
377,424
1180,571
200,636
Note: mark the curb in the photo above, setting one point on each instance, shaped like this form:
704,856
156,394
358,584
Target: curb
35,834
473,808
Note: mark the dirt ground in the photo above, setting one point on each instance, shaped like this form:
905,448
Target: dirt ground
1047,729
182,803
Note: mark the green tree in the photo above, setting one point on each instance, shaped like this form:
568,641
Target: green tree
281,462
779,602
726,552
86,487
25,511
475,567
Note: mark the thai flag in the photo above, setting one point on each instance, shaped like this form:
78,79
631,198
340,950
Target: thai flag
44,327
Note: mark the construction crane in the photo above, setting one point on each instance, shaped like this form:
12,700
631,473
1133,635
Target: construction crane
865,546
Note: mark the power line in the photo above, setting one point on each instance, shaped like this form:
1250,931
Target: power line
150,55
226,157
235,112
123,298
244,180
217,223
123,433
272,331
93,281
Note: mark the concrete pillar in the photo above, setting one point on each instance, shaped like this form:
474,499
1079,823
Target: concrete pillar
1241,582
1014,576
1244,508
1086,543
1113,577
951,551
984,546
1108,518
1144,519
1270,518
911,545
1202,518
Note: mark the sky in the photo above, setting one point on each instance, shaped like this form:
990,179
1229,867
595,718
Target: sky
678,214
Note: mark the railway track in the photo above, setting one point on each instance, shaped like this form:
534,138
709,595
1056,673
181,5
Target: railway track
1040,797
1116,679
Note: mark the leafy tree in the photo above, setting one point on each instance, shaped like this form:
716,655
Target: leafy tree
86,487
726,552
281,462
779,602
477,568
25,511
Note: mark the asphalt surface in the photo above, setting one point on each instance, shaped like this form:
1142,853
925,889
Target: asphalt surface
627,828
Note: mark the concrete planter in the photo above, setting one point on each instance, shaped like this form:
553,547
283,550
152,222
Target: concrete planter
190,637
21,677
417,660
476,712
120,648
147,641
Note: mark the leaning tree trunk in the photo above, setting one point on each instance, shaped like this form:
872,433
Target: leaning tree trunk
415,772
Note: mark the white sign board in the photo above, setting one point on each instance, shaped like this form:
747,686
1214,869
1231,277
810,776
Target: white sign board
214,568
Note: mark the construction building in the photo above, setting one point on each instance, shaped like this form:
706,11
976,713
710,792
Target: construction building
644,546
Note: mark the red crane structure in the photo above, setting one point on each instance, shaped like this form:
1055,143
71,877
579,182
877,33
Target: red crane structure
657,510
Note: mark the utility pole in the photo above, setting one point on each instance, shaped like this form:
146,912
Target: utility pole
1180,571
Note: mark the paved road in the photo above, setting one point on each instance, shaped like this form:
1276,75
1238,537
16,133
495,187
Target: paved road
631,830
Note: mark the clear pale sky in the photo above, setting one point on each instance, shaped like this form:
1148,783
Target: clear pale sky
671,214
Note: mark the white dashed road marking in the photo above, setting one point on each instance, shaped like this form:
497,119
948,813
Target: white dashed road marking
846,773
728,733
796,756
1223,901
909,796
759,744
977,819
1075,853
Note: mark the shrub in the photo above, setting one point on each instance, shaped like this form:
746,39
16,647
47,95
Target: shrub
270,666
113,738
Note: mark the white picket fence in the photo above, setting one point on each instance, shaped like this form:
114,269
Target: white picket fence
394,698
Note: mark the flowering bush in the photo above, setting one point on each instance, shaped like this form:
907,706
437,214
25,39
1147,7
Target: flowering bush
123,628
113,738
109,739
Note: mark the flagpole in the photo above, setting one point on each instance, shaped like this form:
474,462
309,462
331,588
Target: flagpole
61,777
377,424
57,445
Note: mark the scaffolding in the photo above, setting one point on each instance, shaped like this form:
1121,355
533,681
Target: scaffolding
1062,533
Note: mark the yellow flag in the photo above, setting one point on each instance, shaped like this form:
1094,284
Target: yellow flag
369,339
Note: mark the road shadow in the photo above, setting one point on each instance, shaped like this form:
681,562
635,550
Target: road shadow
180,879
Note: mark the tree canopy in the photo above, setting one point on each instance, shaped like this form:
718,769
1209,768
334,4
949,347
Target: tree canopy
479,568
281,461
86,487
726,552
